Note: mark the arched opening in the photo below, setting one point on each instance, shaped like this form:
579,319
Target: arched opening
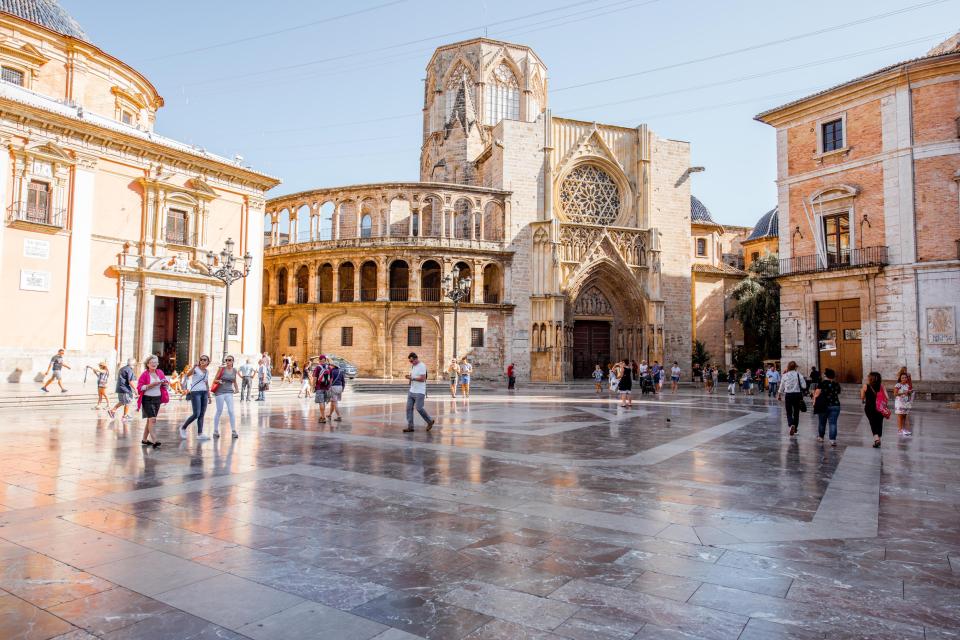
463,271
399,281
415,223
282,286
492,284
347,220
461,219
325,283
346,282
426,219
325,232
303,284
477,228
369,226
366,226
304,223
430,277
266,287
503,96
283,227
267,229
399,217
368,281
493,222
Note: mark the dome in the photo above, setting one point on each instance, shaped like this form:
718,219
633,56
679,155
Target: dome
768,226
46,13
699,212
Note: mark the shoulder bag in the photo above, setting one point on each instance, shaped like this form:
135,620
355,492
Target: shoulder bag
883,404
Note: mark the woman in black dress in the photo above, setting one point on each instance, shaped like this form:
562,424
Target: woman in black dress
869,393
625,388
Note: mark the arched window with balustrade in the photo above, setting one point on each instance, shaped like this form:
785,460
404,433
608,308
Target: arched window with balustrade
325,283
399,281
461,219
282,286
369,220
304,223
464,271
430,218
345,275
430,281
493,222
368,281
303,284
492,284
283,227
267,229
399,213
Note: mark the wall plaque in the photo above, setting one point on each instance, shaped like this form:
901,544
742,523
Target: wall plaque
101,316
34,280
941,325
34,248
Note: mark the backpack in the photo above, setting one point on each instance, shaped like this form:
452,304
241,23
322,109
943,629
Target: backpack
323,378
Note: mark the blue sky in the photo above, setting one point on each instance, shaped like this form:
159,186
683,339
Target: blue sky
335,99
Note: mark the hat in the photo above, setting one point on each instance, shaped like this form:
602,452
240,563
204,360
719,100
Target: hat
322,357
103,363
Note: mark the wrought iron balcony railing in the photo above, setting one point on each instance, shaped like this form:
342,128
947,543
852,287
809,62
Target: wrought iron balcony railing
181,239
25,212
833,261
399,294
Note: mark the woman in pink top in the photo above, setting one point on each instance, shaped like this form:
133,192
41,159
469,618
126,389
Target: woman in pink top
152,392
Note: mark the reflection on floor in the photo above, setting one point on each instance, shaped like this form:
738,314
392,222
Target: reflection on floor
518,517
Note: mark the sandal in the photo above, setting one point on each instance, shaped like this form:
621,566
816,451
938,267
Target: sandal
322,420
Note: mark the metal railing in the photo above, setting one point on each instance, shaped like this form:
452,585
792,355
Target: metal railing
368,295
301,296
491,298
430,294
845,259
346,295
384,241
399,294
24,212
180,239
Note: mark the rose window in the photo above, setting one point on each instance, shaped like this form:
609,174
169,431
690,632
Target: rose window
589,195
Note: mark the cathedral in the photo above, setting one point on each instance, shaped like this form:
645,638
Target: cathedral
575,237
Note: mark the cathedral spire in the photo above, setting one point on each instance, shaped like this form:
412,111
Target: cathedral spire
464,112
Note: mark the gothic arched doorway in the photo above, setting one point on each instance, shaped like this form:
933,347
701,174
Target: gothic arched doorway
592,331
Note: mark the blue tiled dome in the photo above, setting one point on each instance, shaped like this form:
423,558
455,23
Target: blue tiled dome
46,13
768,226
699,212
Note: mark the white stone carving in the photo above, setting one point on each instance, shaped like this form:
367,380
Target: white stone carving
589,195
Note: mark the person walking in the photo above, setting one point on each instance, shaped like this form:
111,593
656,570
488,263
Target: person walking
247,372
625,386
511,377
675,373
815,378
321,384
338,381
152,393
708,379
224,386
791,392
875,405
453,372
55,369
732,381
125,377
747,382
417,392
612,378
773,381
103,378
286,373
198,391
826,405
466,373
597,377
903,402
263,375
306,378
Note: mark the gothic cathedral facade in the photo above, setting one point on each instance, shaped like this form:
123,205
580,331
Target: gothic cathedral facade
576,236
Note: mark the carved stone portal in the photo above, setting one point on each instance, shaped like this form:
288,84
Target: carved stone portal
592,302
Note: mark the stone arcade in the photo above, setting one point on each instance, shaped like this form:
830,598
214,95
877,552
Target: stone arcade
576,234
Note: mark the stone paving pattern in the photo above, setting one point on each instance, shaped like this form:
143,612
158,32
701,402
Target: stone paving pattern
526,517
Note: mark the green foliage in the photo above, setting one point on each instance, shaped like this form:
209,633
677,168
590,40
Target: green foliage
700,354
757,306
747,358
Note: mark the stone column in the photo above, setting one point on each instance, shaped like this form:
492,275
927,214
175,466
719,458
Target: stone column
476,285
335,222
443,222
313,290
146,323
356,281
383,280
413,283
385,223
206,327
292,284
335,295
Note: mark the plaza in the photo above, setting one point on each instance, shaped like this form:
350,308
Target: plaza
545,514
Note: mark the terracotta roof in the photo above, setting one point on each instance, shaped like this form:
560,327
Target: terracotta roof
722,269
46,13
768,226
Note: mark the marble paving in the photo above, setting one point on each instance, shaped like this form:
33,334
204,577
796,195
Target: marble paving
520,517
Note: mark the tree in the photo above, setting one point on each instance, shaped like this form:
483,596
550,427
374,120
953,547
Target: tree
757,305
700,354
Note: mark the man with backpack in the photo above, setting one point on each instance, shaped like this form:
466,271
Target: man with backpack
337,382
322,381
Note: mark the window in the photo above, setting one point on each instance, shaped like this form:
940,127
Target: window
126,117
38,202
233,324
366,226
346,336
701,247
754,256
416,223
414,336
292,336
177,226
836,236
11,75
589,195
503,96
832,135
476,337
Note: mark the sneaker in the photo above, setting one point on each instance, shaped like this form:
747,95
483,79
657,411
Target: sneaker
44,389
907,432
833,443
408,430
235,434
63,390
216,434
126,419
203,436
111,413
183,433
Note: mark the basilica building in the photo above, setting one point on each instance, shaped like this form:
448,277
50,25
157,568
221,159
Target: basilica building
576,237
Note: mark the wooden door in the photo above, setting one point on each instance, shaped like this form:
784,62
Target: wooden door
839,337
591,344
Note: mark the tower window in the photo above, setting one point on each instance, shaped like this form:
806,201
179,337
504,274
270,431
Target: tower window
832,133
503,96
701,247
11,75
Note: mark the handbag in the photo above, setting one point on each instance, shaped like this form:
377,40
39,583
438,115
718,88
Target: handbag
216,382
883,405
803,405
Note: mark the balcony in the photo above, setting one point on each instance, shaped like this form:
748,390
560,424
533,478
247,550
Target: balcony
846,259
398,294
32,215
431,295
181,238
491,298
368,295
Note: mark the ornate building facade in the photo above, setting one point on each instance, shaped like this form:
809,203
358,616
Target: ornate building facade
107,223
576,236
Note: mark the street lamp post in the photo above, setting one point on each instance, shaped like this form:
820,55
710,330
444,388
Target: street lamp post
225,272
456,288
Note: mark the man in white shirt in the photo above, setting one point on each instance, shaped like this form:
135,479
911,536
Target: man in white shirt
417,393
773,381
247,372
